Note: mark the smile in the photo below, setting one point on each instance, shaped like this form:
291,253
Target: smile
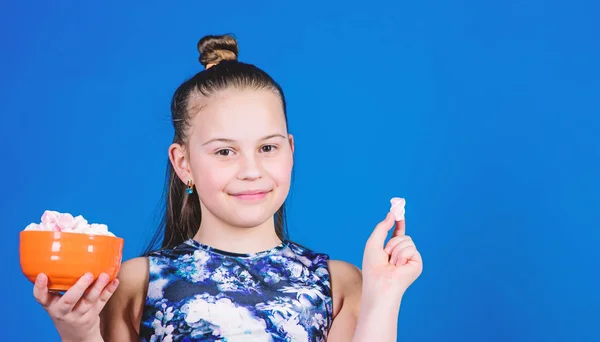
250,195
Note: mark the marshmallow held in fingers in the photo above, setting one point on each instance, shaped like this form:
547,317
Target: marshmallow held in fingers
397,208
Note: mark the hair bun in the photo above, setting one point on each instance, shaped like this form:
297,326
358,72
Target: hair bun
214,49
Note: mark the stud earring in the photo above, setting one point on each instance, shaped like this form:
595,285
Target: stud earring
190,187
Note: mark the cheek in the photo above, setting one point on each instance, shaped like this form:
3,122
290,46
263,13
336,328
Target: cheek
210,176
280,171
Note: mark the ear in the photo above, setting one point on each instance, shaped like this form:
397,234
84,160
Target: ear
178,158
291,140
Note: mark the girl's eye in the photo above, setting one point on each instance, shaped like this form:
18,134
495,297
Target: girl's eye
268,148
224,152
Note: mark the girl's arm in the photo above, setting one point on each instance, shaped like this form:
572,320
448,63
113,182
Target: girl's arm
358,318
346,283
121,317
366,307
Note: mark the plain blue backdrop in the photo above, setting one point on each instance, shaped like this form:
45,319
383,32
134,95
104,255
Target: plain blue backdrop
483,114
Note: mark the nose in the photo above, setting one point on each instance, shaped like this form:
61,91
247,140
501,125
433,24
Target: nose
249,168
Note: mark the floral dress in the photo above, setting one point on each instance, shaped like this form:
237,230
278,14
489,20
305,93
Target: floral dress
199,293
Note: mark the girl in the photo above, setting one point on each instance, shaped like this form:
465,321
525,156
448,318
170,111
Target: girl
225,270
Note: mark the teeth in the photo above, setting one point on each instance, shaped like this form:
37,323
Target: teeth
397,208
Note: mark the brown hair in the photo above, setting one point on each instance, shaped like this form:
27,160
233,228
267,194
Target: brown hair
219,54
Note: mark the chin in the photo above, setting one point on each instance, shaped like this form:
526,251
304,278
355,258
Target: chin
249,222
252,217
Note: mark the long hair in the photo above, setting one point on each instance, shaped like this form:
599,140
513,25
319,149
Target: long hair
181,213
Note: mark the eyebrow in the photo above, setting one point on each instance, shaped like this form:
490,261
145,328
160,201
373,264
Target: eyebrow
229,141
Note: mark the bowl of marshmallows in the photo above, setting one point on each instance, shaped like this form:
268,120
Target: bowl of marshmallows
65,248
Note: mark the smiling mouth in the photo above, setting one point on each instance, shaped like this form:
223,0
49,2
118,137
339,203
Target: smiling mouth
250,195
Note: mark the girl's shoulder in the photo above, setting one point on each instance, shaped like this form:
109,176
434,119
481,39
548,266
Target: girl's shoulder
345,278
121,317
346,286
305,253
133,274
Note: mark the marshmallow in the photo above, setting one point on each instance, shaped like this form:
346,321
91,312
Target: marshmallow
65,222
397,208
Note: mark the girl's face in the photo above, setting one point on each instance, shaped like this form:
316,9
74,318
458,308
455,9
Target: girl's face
239,156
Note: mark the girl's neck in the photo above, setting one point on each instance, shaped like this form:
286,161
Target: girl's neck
219,235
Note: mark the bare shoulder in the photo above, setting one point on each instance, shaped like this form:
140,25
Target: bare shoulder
120,319
133,275
346,288
346,284
344,270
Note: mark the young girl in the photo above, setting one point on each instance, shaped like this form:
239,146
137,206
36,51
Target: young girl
226,271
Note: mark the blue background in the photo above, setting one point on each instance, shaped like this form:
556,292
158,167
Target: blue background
483,114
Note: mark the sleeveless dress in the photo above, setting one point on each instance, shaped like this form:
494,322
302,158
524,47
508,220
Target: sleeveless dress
199,293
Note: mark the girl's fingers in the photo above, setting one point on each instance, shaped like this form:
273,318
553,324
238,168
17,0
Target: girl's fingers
405,255
379,234
402,252
40,291
74,294
108,291
393,242
91,295
400,228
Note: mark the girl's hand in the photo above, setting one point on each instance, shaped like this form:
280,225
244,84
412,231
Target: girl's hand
389,270
76,313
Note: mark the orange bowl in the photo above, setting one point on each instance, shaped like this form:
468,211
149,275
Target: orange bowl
66,257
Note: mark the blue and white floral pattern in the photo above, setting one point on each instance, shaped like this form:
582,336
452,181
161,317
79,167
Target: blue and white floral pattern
198,293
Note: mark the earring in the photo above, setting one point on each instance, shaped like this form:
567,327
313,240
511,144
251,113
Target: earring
190,187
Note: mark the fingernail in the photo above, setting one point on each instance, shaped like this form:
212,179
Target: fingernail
89,276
